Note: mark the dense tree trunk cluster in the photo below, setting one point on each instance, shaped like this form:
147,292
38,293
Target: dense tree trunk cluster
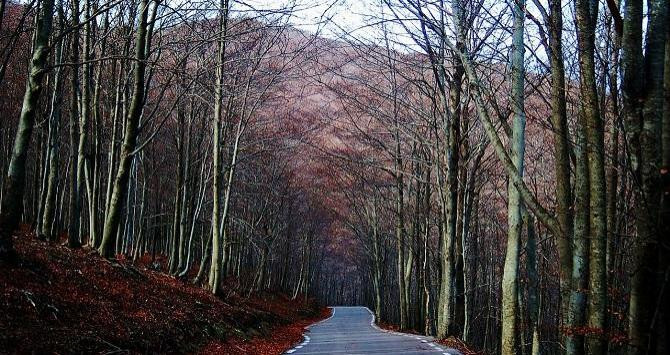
471,99
140,121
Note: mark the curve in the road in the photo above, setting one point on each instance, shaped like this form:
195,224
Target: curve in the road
352,331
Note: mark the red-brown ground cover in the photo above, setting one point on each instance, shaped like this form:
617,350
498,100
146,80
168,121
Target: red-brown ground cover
59,300
282,338
394,327
450,342
459,345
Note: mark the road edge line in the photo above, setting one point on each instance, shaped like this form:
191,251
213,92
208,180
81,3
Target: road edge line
431,341
305,337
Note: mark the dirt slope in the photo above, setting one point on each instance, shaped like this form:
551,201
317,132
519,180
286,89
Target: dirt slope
64,301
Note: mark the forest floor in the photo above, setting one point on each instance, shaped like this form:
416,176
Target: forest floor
57,300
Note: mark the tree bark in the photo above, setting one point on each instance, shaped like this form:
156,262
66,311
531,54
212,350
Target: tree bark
113,219
84,120
576,313
73,240
215,266
561,136
54,124
177,247
12,204
643,107
510,280
587,12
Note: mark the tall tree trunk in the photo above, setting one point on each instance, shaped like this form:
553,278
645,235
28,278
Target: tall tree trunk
428,319
203,261
451,127
113,219
186,204
613,169
453,157
215,266
561,134
407,275
12,203
587,14
177,236
644,123
92,175
510,280
576,313
399,231
377,262
84,120
73,240
223,225
111,158
533,284
450,209
54,124
663,346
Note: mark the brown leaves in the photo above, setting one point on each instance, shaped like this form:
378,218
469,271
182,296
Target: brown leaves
283,338
72,301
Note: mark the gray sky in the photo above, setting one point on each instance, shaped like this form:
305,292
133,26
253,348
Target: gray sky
332,18
311,15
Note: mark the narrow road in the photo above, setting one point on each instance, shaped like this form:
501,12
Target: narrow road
351,331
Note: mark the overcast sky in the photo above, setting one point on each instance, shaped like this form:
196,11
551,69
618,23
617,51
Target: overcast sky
312,15
333,18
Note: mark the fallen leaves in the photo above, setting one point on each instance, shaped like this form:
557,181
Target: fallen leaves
283,338
72,301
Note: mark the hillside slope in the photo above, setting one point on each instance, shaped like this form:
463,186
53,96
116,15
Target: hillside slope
65,301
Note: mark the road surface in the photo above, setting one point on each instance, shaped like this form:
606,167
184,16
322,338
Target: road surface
351,331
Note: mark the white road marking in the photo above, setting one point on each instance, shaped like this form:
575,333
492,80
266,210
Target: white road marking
306,337
363,337
372,321
332,314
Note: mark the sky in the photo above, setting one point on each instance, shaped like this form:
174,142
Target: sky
335,18
358,19
328,17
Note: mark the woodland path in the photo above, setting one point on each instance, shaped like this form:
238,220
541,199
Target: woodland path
351,331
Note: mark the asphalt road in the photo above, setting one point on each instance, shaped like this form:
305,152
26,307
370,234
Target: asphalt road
351,330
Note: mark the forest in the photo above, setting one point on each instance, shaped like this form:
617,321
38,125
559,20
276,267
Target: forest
491,173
